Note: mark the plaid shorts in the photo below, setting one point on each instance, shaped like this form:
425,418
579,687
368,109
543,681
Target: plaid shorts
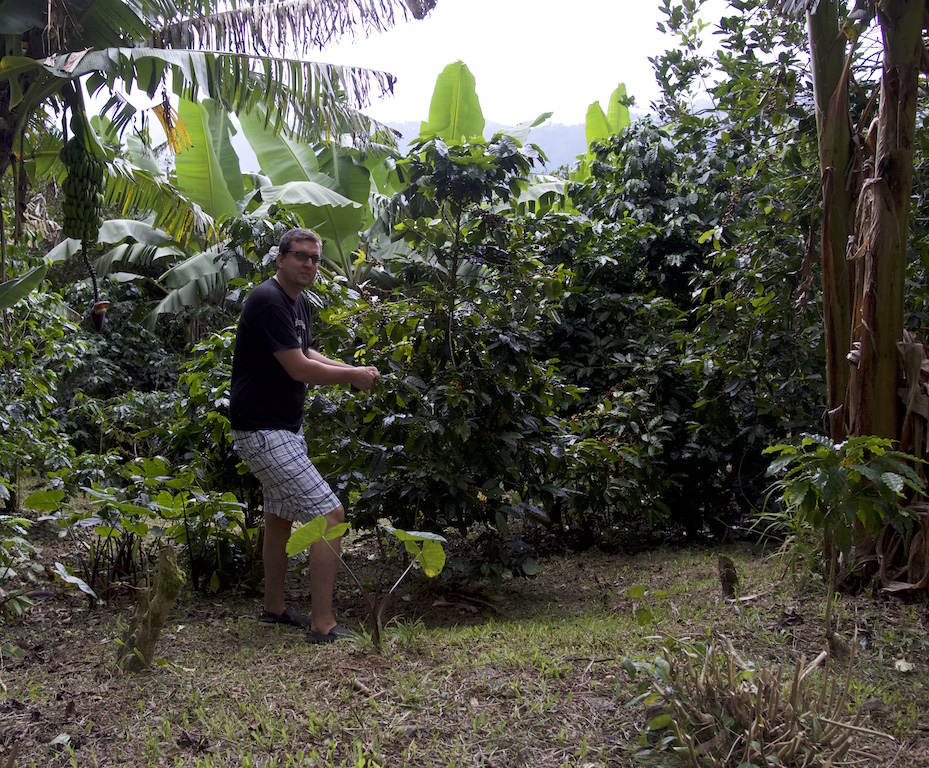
292,487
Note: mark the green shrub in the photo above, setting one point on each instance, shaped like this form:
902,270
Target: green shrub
18,567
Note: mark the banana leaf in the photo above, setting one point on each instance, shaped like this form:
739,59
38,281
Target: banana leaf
281,159
521,132
200,172
202,265
19,287
318,205
212,284
455,110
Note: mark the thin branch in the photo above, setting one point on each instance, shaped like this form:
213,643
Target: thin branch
856,728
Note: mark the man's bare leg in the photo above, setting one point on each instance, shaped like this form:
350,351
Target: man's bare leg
324,564
274,555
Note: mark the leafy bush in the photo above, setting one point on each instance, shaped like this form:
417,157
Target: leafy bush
115,377
16,554
463,431
658,311
835,487
647,201
438,443
116,530
41,346
842,488
199,433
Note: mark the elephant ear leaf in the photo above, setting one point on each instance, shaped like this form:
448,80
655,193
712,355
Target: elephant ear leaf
315,530
426,548
455,111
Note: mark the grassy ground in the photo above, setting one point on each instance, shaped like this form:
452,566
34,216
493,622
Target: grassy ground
527,674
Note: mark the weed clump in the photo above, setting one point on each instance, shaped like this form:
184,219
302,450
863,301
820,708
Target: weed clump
707,708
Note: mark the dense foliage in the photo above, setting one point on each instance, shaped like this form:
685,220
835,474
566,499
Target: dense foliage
605,359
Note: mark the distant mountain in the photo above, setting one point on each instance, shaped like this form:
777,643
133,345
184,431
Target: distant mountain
560,143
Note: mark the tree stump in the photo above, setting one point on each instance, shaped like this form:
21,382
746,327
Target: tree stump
138,648
728,576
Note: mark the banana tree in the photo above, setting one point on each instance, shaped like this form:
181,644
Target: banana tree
201,40
600,125
330,187
323,186
194,47
867,180
336,182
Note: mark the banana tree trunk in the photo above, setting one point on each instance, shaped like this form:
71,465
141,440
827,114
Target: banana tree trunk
880,228
866,201
834,129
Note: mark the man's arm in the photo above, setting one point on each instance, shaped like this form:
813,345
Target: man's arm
312,354
313,368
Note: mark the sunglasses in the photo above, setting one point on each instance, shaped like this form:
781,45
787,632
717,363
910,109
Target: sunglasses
303,257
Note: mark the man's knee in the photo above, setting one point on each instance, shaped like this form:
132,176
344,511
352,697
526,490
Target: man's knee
337,516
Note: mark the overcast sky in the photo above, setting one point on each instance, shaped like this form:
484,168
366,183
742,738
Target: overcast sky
527,56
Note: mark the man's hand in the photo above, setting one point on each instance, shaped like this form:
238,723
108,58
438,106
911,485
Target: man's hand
365,378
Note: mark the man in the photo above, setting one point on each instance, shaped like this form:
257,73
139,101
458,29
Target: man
272,366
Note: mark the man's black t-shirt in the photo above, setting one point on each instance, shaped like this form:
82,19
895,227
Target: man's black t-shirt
264,396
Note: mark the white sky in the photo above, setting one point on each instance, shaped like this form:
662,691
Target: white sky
527,56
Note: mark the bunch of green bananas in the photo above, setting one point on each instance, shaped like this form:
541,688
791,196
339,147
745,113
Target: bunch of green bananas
83,191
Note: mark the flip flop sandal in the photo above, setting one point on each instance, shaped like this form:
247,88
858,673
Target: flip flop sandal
289,618
336,633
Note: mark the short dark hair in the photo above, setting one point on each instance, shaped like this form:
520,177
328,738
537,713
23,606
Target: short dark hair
297,235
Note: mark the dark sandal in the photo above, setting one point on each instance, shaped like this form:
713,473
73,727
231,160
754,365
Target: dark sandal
289,618
336,633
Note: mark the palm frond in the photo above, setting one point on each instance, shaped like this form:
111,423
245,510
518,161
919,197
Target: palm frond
76,24
798,8
110,23
270,27
315,100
